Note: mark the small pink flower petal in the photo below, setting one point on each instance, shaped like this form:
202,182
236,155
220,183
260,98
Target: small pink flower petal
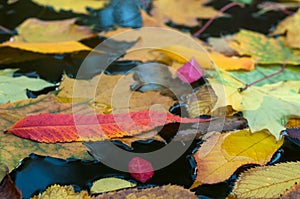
190,71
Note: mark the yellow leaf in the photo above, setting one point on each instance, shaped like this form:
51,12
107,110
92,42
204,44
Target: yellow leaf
32,30
265,107
182,11
267,181
182,54
290,27
61,192
110,184
222,154
77,6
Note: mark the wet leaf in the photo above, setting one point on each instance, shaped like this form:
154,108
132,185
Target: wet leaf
190,71
265,107
140,169
8,189
14,88
61,192
13,148
290,27
77,6
110,184
267,181
51,128
222,154
294,192
167,191
33,30
182,12
262,49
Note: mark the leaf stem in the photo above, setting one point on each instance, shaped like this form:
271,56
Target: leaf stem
264,78
221,11
6,30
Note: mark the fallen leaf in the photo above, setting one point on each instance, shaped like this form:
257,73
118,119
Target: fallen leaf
267,181
14,88
190,71
33,30
265,107
262,49
8,189
293,192
220,44
61,192
110,184
222,154
290,27
166,191
140,169
77,6
182,12
181,54
13,148
51,128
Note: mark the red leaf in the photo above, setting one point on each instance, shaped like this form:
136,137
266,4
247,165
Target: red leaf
190,72
51,128
140,169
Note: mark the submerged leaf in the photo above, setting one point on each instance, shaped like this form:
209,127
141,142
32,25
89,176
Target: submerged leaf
267,181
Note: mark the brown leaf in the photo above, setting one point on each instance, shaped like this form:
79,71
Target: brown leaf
8,190
292,193
167,191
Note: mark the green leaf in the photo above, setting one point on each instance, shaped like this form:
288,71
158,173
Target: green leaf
243,1
289,73
110,184
265,107
263,49
14,88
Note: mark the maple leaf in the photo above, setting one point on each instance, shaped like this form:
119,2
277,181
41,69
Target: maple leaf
221,154
267,181
140,169
264,50
182,12
51,128
265,107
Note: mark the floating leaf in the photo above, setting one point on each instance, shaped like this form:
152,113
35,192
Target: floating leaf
140,169
61,192
267,181
8,190
290,27
13,148
14,88
265,107
110,184
222,154
182,12
51,128
264,50
77,6
167,191
190,71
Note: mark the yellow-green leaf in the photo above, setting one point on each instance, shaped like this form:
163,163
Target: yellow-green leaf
110,184
267,181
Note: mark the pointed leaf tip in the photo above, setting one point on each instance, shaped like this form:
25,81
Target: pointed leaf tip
140,169
190,71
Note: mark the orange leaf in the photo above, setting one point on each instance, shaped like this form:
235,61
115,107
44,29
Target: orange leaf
219,157
51,128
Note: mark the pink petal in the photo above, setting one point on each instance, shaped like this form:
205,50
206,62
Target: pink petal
190,71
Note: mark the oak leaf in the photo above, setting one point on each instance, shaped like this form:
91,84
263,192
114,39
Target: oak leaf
222,154
265,107
51,128
267,181
262,49
182,12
